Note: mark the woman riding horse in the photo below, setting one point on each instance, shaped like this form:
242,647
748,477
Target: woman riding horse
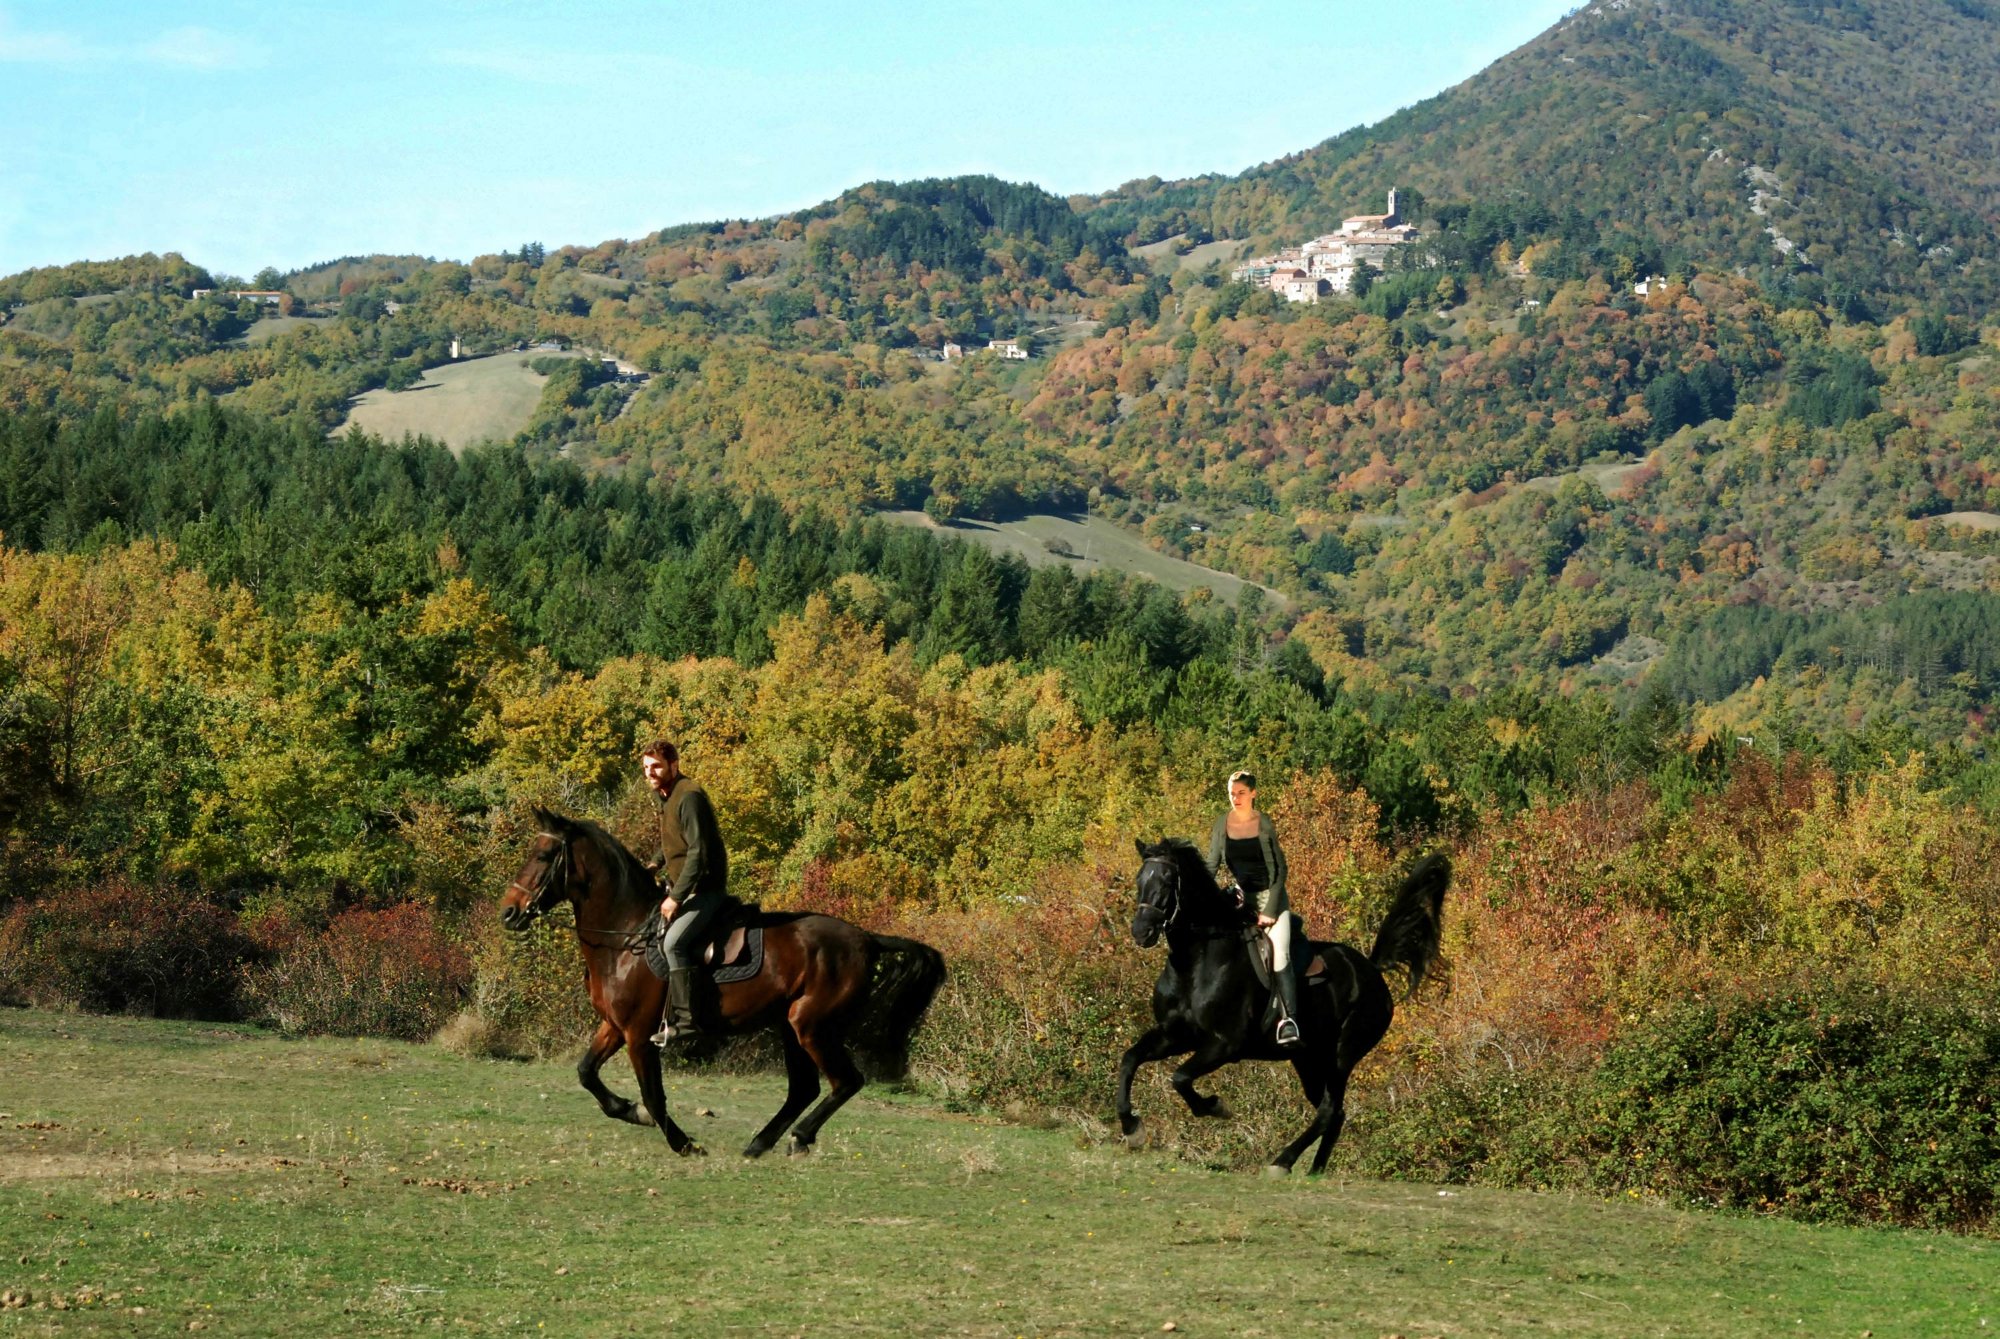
1244,839
1208,1000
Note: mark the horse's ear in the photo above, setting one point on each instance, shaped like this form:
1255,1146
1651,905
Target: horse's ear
545,820
1143,852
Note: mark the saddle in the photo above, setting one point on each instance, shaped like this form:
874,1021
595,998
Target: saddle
735,947
1260,953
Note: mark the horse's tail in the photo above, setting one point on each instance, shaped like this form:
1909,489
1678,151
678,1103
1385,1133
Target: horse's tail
1412,931
905,976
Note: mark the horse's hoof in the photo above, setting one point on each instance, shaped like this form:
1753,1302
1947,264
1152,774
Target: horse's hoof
1218,1110
1135,1137
756,1150
692,1150
1277,1171
800,1150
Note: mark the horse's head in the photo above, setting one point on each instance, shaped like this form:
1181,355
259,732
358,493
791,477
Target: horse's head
544,880
1159,893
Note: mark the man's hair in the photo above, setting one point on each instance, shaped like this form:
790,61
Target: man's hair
663,749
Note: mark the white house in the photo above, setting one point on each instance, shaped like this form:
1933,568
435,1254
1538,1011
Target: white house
1008,348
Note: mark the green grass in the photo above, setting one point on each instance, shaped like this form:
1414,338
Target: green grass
1093,542
222,1178
460,404
267,328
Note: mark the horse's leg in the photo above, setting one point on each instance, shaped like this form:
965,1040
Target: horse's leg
1210,1056
1324,1111
1334,1105
802,1081
1357,1039
603,1046
653,1088
1312,1077
1157,1044
823,1044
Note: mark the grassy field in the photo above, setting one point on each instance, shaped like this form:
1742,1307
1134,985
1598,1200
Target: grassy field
267,328
459,404
1162,254
165,1177
1095,543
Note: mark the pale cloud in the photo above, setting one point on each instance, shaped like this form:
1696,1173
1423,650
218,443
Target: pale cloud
200,49
180,48
39,48
563,68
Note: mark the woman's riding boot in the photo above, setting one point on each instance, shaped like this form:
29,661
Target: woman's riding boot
1288,1008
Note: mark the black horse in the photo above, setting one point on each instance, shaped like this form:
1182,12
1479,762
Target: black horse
1209,1000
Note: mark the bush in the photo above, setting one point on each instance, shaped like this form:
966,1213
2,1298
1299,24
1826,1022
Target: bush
392,973
123,947
531,986
1821,1105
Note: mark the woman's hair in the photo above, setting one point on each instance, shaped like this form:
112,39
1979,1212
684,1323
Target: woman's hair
1244,777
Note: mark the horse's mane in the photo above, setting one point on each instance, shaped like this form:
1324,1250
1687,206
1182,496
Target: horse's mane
635,881
1193,862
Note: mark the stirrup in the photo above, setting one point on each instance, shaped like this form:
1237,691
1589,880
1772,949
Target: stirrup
664,1035
1288,1031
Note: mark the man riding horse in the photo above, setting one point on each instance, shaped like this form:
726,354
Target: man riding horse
694,866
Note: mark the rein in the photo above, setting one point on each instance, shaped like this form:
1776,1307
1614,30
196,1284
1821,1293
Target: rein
557,874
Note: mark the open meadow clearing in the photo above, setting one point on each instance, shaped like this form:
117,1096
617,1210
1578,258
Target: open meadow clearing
165,1177
460,404
1088,544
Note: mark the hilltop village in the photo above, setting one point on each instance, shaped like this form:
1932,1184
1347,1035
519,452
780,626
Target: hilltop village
1328,264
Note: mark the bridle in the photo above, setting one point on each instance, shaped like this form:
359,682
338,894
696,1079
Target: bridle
554,879
555,876
1172,910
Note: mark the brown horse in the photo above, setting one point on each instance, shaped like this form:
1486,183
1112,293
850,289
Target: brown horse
824,984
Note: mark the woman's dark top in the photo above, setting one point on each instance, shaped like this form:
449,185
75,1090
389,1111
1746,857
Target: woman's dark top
1246,862
1272,900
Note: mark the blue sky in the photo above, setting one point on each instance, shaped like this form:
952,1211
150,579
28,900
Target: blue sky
251,134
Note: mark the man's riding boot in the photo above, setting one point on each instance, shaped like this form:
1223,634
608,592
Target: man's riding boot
678,1024
1288,1008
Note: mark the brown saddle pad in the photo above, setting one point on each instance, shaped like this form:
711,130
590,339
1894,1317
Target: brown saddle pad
737,956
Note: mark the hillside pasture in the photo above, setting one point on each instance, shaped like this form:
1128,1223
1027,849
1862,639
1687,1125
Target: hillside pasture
159,1178
1086,544
460,404
267,328
1165,259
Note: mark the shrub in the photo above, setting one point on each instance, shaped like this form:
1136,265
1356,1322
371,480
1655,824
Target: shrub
532,986
1821,1104
471,1033
123,947
392,973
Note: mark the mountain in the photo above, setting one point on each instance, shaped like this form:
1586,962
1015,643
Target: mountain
1504,466
1851,147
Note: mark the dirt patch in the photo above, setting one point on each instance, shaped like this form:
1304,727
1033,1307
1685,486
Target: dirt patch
99,1166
